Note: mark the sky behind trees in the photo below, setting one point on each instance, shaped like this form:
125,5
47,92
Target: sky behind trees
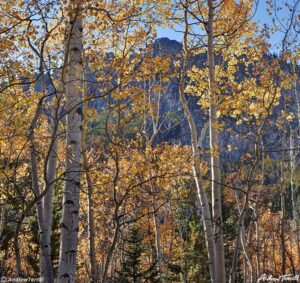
261,17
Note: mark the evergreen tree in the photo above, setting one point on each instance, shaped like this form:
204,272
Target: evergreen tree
133,252
192,266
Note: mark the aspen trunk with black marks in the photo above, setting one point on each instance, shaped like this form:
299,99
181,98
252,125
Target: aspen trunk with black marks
215,160
205,208
74,119
49,184
44,248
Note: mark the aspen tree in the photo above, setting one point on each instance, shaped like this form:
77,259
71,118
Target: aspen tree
74,118
214,154
205,209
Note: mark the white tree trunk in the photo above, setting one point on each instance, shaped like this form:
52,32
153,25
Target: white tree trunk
49,184
205,209
44,254
73,85
215,160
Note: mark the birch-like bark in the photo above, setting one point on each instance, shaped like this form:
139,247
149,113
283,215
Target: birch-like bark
74,117
215,160
45,254
205,209
44,248
49,184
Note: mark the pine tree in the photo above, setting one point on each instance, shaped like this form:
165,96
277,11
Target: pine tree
132,270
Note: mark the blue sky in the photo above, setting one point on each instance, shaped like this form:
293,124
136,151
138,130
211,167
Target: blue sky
261,17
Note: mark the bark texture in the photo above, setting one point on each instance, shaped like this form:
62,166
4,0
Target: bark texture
45,256
49,184
205,209
214,146
74,120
